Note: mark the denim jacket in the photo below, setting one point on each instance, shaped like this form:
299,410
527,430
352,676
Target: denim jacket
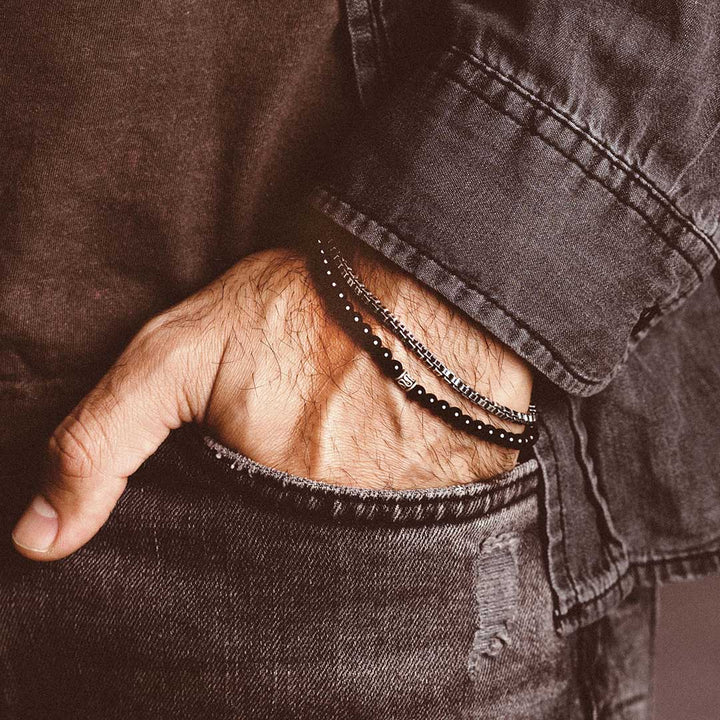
552,170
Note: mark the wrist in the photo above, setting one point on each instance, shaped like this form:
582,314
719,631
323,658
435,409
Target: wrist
458,342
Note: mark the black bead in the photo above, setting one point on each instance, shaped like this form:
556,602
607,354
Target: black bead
391,366
385,365
465,422
417,393
454,413
365,330
454,416
356,318
385,360
441,408
374,341
378,352
429,401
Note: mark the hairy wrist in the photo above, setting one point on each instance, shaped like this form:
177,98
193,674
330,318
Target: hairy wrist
472,353
299,394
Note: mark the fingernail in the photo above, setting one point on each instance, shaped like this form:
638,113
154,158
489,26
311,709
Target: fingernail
37,528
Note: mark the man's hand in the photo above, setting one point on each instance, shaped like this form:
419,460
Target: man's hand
257,360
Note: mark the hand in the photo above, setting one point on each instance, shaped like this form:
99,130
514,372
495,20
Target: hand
257,360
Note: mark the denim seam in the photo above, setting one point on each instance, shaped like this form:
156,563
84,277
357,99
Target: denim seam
597,500
364,60
682,567
378,35
593,608
590,593
395,506
584,133
586,611
589,174
710,548
328,194
561,508
625,704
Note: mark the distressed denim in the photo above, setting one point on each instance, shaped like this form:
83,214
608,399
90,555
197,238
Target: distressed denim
222,588
550,168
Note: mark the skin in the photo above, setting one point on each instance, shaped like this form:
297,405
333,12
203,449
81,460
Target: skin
257,359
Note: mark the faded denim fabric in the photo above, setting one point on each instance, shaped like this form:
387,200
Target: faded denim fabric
221,588
552,170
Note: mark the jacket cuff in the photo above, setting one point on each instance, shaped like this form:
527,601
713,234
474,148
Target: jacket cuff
517,214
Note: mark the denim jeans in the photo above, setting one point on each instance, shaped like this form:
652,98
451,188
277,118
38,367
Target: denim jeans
221,588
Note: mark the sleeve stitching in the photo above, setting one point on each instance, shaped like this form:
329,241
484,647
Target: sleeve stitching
584,133
587,380
645,217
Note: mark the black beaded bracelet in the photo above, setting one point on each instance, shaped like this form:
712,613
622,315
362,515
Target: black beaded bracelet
338,293
424,354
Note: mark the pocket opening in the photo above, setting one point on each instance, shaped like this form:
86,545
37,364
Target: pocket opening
420,506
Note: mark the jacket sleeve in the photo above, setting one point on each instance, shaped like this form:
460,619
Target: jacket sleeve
550,168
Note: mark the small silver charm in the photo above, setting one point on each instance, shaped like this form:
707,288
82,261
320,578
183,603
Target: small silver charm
405,381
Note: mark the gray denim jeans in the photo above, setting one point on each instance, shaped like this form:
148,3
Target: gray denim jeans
221,588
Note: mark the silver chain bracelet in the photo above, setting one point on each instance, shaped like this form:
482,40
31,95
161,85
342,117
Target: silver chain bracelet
419,350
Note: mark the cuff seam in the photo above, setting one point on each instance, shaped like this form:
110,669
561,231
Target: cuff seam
322,199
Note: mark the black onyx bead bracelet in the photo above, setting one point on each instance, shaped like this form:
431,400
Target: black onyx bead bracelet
393,368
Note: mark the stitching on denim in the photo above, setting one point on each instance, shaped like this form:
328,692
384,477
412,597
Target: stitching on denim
563,536
377,30
455,503
586,171
467,284
362,60
625,704
702,551
617,585
601,145
597,499
630,574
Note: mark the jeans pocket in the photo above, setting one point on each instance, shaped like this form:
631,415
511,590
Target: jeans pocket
222,588
427,505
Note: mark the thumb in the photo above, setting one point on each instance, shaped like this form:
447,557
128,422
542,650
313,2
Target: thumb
153,387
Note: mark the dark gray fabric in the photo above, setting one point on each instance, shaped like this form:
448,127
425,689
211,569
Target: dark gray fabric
148,146
552,170
224,589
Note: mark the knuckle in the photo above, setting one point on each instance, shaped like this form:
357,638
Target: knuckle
70,447
169,340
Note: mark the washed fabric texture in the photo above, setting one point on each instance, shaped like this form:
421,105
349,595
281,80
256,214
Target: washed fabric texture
221,588
551,169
